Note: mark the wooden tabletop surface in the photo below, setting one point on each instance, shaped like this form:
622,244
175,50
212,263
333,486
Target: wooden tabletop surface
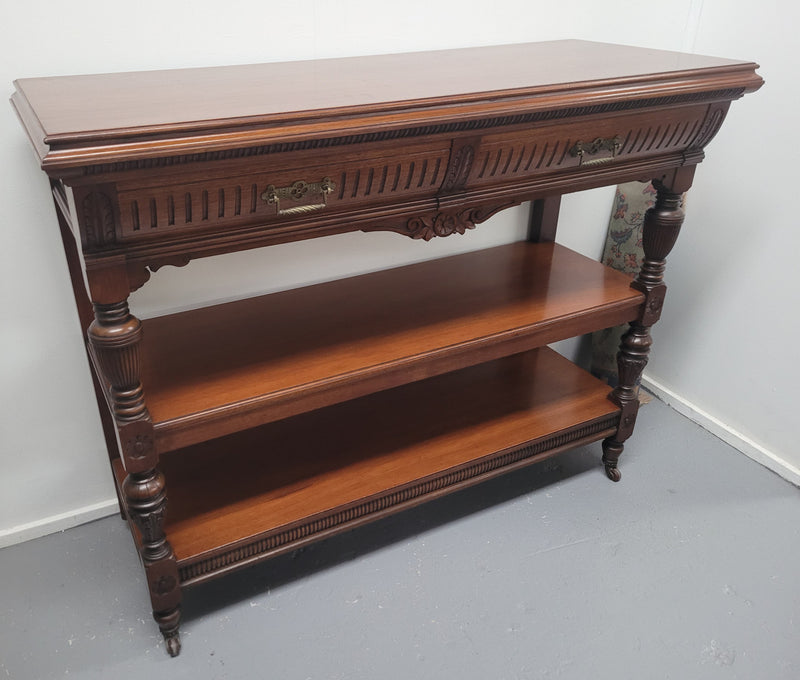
84,105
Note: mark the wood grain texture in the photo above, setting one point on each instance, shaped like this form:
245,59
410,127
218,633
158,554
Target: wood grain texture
285,418
212,371
337,95
300,469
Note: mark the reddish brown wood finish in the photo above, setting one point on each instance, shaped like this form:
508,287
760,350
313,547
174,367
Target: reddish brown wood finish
302,349
157,168
662,224
543,219
287,481
402,88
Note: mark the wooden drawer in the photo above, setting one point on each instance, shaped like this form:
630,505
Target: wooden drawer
272,191
381,184
518,154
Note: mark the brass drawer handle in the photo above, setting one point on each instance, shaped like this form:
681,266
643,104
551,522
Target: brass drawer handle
581,149
298,191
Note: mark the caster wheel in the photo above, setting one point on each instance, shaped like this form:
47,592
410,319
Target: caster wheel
173,643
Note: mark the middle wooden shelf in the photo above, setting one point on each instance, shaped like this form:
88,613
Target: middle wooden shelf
226,368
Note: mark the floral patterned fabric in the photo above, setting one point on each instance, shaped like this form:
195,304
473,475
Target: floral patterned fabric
623,251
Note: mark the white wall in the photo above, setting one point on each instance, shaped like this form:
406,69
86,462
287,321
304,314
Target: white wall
54,468
726,343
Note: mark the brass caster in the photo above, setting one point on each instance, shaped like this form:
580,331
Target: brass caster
613,473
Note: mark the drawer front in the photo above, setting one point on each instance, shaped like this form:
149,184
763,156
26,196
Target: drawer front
298,187
515,155
291,190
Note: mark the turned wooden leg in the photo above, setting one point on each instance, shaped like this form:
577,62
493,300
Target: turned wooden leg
145,496
631,360
86,316
662,224
114,338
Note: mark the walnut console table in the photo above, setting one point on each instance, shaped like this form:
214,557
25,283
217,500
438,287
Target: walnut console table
243,430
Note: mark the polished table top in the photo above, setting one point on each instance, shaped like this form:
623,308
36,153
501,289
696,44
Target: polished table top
87,111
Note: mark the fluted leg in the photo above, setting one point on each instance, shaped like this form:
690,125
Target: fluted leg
146,499
114,337
662,224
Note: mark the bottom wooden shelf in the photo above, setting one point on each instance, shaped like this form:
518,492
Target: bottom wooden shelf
242,498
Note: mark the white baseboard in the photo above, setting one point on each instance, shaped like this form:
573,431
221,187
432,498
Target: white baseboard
726,433
55,523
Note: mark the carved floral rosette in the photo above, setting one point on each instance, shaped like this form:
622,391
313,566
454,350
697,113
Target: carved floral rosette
446,223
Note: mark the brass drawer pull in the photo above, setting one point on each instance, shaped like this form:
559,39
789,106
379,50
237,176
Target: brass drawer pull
581,149
298,191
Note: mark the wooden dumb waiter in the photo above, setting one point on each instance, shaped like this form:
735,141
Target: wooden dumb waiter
243,430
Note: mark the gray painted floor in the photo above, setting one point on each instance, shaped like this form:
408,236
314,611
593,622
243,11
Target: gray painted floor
687,569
